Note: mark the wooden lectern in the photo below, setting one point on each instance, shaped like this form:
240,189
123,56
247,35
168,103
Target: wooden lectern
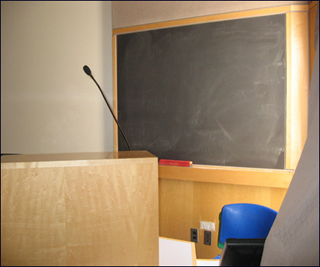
80,209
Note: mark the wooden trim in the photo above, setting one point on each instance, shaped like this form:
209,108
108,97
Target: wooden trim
313,4
228,175
218,17
297,86
115,91
289,89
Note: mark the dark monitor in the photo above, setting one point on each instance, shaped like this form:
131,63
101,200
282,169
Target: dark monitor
242,252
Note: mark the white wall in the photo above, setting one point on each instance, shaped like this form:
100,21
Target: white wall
48,103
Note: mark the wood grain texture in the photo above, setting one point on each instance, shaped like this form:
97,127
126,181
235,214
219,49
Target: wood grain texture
225,175
103,212
33,229
115,91
297,86
176,205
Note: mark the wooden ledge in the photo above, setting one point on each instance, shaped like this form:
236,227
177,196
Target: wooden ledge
228,175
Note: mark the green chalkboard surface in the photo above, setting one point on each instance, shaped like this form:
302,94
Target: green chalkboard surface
212,93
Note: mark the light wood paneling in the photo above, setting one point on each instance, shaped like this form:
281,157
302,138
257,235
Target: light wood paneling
297,86
80,209
115,92
228,175
33,227
276,197
176,202
183,204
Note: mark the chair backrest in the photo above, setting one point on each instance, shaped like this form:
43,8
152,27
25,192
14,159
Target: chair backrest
244,220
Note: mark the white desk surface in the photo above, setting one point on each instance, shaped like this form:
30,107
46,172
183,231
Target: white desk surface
174,252
208,262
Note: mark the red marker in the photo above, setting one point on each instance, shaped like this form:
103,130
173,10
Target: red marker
171,162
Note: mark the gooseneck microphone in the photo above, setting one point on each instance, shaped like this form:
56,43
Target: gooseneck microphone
88,72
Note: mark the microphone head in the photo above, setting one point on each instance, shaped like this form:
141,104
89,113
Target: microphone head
87,70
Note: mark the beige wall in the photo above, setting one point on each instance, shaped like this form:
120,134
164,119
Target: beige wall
48,104
132,13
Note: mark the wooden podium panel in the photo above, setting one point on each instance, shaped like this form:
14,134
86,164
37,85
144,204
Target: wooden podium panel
80,209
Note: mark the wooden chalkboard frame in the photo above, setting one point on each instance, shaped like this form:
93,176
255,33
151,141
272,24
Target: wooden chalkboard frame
297,96
213,93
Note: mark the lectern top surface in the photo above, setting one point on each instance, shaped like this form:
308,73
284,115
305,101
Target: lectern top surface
76,156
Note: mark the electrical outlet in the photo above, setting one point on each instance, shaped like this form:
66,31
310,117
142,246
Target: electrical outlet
207,238
194,235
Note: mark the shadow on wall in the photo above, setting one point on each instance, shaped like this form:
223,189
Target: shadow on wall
294,237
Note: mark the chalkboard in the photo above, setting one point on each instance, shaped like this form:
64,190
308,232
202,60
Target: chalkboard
213,93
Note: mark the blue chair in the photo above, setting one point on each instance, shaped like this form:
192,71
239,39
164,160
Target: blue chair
244,220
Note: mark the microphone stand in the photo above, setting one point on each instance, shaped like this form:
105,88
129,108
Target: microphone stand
88,72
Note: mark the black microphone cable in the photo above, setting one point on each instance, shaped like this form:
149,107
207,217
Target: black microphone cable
88,72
